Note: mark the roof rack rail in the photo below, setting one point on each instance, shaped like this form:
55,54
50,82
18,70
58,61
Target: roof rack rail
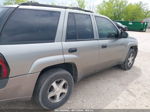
53,6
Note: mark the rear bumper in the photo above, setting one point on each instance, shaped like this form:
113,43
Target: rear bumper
3,83
18,87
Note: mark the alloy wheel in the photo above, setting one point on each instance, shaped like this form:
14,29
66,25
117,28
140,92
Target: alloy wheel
57,90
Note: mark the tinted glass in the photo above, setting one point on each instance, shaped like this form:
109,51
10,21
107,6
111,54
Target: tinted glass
2,12
79,27
106,28
84,26
30,26
71,28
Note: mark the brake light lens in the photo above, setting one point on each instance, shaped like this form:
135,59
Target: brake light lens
4,68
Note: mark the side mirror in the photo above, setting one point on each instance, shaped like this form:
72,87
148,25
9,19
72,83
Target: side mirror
123,34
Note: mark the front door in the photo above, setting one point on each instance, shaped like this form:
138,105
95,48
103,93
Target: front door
111,47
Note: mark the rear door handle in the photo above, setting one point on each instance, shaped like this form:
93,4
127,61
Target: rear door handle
72,50
104,46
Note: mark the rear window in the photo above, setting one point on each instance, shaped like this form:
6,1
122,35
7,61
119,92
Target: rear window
30,26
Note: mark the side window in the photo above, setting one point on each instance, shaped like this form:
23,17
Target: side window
84,26
106,28
2,11
79,27
30,26
71,28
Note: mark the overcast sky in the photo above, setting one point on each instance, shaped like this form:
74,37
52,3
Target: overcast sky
90,3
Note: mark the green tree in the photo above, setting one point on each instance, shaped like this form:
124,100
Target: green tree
114,9
136,12
81,3
147,13
121,10
13,2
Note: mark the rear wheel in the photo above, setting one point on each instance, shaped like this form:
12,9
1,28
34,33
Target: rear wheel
53,89
127,65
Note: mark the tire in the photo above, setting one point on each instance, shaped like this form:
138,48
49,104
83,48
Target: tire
51,84
129,61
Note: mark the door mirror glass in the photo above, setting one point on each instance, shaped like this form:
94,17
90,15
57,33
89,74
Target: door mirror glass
124,34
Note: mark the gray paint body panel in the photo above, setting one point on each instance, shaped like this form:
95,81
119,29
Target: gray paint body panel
26,61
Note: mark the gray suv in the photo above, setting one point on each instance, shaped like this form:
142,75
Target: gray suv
45,50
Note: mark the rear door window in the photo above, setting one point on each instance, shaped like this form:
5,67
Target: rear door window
71,28
30,26
79,27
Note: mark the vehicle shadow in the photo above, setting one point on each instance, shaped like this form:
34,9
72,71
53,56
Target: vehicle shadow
93,92
99,90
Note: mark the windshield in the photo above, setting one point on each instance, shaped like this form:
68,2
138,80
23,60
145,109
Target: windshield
120,24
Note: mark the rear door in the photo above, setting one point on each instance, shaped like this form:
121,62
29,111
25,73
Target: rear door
111,47
80,46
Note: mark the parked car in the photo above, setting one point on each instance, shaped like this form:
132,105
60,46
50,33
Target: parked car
45,50
121,26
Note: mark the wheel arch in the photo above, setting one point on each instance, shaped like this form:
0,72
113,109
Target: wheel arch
70,67
135,47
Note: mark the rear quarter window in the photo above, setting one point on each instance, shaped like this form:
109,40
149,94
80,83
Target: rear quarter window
3,10
30,26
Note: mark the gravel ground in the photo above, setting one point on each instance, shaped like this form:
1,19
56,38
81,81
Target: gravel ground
110,89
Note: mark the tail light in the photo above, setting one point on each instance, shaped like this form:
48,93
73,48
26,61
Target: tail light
4,68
